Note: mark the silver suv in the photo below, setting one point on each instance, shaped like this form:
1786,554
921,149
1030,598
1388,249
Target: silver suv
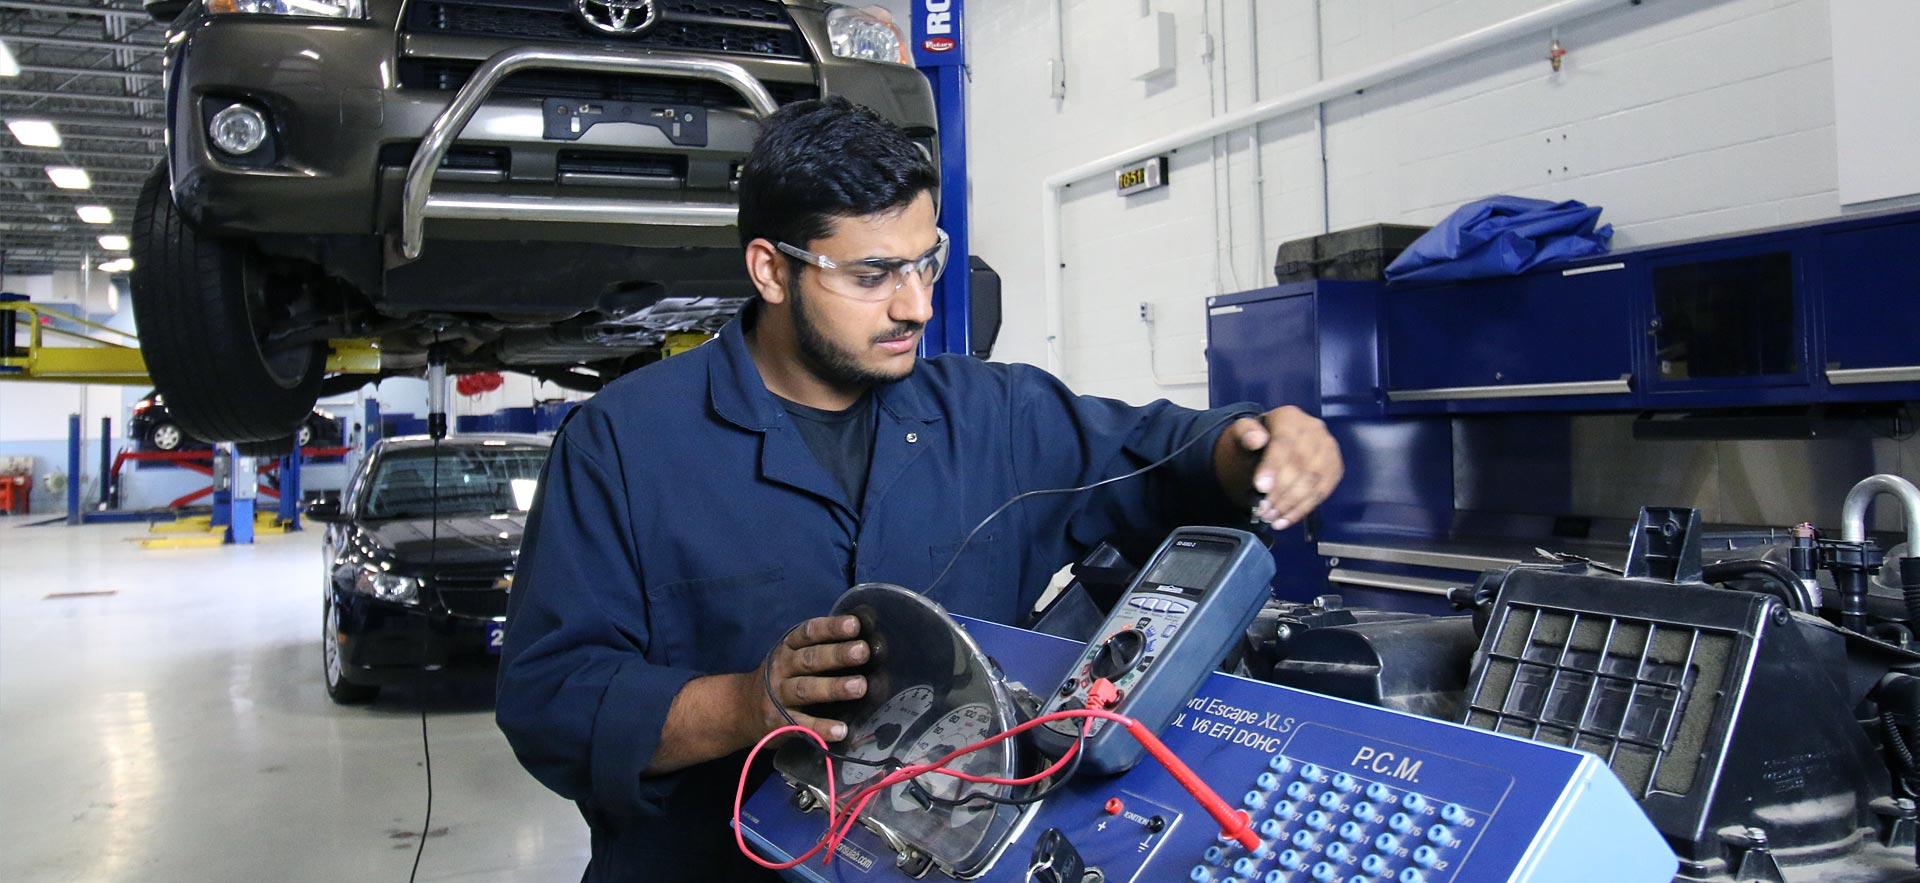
544,186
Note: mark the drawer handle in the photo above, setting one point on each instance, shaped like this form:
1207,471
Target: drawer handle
1516,391
1895,374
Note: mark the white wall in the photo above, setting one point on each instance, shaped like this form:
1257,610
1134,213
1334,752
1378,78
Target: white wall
1682,118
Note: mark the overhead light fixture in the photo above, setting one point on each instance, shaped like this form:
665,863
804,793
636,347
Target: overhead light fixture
117,265
95,214
69,177
34,133
115,243
9,66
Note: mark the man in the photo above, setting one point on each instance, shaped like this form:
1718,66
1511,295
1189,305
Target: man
699,515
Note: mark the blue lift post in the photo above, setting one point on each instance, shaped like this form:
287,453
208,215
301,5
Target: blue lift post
940,52
290,488
73,469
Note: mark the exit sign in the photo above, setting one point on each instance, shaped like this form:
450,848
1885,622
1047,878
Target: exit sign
1142,176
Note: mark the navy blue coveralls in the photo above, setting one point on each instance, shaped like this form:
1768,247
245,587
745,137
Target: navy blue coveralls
683,526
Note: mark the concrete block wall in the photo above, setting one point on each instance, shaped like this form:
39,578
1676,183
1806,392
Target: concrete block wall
1683,118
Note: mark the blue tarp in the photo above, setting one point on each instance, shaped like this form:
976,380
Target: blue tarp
1503,236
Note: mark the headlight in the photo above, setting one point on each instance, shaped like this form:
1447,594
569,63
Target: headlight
387,586
310,8
868,34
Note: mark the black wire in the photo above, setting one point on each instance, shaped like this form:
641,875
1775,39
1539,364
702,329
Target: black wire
1075,490
433,561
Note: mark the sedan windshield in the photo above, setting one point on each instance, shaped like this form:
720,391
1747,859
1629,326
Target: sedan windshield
471,480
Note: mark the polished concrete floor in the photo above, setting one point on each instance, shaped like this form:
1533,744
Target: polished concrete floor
177,729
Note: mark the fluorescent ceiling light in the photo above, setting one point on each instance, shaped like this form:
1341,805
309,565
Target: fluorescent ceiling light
69,177
9,67
34,133
95,214
115,243
117,265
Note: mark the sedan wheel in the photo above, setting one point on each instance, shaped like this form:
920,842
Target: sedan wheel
338,688
167,437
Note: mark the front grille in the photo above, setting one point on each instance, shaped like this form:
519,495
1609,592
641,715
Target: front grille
446,76
472,593
600,162
745,27
1637,692
482,159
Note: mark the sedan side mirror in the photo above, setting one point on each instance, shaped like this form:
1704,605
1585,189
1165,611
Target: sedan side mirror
325,511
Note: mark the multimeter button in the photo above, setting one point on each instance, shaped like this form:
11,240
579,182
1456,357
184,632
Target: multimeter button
1283,807
1319,821
1214,855
1352,831
1386,843
1439,834
1329,799
1374,865
1280,763
1425,856
1310,771
1378,793
1271,828
1325,872
1302,839
1245,865
1453,813
1254,800
1413,802
1412,876
1337,851
1365,812
1298,790
1266,781
1343,781
1290,860
1400,822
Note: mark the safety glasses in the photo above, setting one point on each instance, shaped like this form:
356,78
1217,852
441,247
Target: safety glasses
875,279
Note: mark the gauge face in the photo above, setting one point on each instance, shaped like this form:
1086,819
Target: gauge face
960,727
882,731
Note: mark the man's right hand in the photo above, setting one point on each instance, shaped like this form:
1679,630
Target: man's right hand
801,668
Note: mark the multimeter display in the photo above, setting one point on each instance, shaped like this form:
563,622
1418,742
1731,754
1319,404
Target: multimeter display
1190,569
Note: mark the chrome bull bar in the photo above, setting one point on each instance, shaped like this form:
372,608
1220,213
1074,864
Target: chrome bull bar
418,202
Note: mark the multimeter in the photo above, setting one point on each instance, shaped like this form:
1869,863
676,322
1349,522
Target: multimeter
1178,618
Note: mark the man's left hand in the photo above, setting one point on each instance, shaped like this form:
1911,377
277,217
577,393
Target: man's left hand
1296,463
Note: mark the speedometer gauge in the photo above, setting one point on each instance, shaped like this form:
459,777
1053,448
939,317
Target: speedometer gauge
878,735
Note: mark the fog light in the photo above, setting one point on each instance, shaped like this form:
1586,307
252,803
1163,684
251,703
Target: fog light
238,129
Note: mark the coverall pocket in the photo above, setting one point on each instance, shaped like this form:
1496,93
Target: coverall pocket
719,624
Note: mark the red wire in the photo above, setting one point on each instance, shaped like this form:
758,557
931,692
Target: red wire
840,825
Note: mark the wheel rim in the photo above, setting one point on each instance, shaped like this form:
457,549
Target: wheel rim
304,437
330,645
166,437
288,366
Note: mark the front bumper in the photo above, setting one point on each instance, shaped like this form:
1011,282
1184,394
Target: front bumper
346,126
384,643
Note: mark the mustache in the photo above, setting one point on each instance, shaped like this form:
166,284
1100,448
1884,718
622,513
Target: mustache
901,330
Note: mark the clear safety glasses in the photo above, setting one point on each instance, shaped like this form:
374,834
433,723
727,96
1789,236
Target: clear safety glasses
875,279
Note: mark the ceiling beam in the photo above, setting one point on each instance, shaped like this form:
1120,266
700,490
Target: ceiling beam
87,119
71,71
78,96
98,11
146,158
79,43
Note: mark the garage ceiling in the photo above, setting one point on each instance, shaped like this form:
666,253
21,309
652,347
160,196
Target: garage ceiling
93,71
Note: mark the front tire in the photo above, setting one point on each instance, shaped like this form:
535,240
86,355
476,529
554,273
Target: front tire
166,437
204,306
333,663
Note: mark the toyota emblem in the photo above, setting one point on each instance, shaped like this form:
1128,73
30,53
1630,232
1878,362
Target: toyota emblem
623,17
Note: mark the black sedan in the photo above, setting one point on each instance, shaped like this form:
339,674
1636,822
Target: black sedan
153,426
419,558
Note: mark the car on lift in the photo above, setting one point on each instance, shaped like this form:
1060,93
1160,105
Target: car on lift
150,423
419,556
542,186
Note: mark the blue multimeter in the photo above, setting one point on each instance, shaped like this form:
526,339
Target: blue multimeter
1184,610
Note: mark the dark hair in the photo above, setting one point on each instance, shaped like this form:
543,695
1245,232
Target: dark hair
816,161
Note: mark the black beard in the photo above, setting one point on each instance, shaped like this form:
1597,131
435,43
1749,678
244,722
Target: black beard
828,361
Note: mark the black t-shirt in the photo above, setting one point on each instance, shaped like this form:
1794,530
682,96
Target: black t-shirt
841,440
